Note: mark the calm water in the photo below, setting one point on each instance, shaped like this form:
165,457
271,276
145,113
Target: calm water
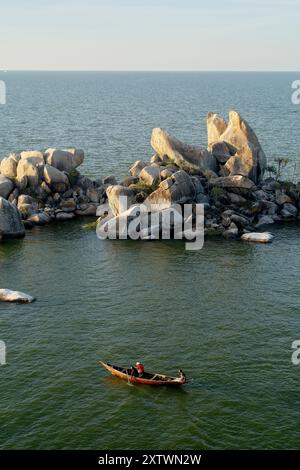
226,314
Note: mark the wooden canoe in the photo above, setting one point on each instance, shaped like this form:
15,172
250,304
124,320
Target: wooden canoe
148,378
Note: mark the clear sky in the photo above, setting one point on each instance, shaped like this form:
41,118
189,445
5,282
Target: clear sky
149,34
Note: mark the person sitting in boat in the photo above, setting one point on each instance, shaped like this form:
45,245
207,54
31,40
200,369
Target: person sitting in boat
182,375
140,368
133,371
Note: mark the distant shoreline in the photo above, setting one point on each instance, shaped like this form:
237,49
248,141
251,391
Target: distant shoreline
147,71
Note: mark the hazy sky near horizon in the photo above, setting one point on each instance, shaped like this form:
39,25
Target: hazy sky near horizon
149,35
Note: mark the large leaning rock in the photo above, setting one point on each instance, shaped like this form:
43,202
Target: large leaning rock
6,186
249,159
11,225
216,125
178,188
64,160
117,205
186,157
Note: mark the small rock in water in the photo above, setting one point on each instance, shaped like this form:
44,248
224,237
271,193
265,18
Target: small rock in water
63,216
7,295
263,237
40,218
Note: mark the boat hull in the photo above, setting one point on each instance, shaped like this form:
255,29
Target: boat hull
160,380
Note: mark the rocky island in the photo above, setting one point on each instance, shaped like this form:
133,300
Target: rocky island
228,177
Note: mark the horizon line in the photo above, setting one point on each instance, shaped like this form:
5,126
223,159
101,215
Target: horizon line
152,70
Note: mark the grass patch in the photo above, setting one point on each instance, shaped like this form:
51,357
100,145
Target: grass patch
216,193
137,187
90,226
213,232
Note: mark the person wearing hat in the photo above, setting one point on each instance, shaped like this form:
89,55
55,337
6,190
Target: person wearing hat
140,368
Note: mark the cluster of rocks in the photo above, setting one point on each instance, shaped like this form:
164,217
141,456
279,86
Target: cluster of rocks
227,177
37,188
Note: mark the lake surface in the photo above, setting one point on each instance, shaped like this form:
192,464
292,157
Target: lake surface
226,314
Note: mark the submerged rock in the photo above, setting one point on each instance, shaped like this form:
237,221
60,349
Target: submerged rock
263,237
64,216
7,295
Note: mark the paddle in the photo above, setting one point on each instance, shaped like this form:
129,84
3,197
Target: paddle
128,381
